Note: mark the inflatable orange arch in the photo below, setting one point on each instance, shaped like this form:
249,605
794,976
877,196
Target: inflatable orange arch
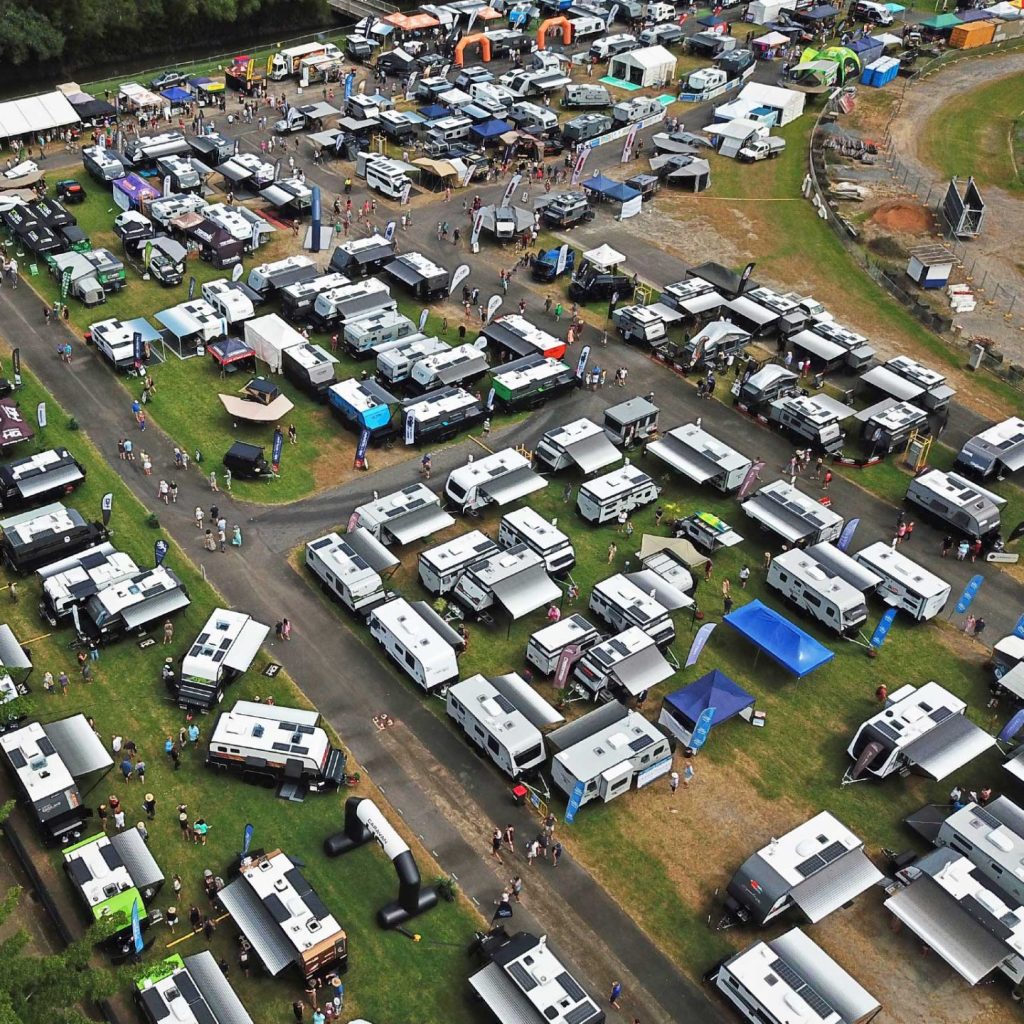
564,23
485,47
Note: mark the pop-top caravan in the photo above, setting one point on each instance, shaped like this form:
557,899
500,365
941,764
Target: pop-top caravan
513,580
545,647
530,382
350,568
601,755
441,415
418,640
499,478
397,357
46,760
623,666
580,443
130,606
425,279
997,451
922,729
625,489
816,589
632,421
817,867
74,579
908,381
527,526
904,584
792,515
701,457
405,516
225,648
495,725
270,743
441,566
38,478
622,603
33,539
816,419
768,384
954,502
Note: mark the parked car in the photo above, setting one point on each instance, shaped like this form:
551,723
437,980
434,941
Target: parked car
167,80
70,191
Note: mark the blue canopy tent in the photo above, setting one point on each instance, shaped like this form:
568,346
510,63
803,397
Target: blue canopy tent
490,130
681,709
434,112
823,12
796,651
177,95
613,191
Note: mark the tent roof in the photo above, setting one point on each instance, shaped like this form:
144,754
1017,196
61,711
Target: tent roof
604,256
490,128
433,111
713,690
941,21
790,646
772,39
821,12
411,22
36,114
89,107
647,57
176,94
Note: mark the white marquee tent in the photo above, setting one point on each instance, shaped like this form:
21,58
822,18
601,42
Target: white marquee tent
650,66
33,114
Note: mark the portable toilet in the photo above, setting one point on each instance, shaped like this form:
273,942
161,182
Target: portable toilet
930,266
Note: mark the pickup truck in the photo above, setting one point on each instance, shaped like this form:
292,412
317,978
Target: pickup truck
761,149
545,265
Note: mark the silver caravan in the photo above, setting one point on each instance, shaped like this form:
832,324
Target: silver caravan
816,419
441,566
269,278
621,603
889,425
513,580
832,345
904,584
579,443
545,647
404,516
395,359
310,368
499,478
701,457
997,451
72,580
907,380
638,323
622,490
105,165
764,387
297,299
461,365
349,568
815,589
792,515
587,96
526,526
418,640
332,309
363,334
923,730
628,664
955,502
495,725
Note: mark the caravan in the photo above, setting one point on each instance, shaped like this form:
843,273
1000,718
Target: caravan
622,604
904,584
889,425
404,516
310,368
530,382
74,579
336,307
364,333
968,509
297,299
623,490
441,566
545,647
514,580
815,588
462,365
764,387
349,568
815,419
441,415
363,405
580,443
997,451
907,380
387,177
105,165
395,359
698,455
499,478
792,515
418,640
37,478
362,256
270,278
33,539
131,605
625,665
528,527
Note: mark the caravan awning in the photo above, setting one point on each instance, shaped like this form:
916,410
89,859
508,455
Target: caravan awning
702,303
500,995
681,458
12,654
63,477
948,747
642,670
751,311
370,550
817,345
835,885
150,611
81,750
459,371
514,485
134,852
762,511
891,383
664,593
938,921
215,989
419,523
526,592
402,271
242,653
593,453
255,923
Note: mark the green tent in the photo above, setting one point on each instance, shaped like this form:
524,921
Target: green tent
848,61
941,22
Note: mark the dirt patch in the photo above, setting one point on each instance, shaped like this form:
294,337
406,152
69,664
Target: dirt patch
904,218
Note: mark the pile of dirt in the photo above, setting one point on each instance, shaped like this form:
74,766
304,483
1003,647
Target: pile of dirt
904,218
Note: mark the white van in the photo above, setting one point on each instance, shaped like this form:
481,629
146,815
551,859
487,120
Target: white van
866,10
386,177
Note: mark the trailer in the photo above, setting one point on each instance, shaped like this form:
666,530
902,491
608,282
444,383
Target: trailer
751,394
363,405
621,602
903,584
816,419
441,415
530,382
418,640
310,368
812,586
711,346
38,478
104,165
996,451
74,579
335,308
831,346
395,359
364,333
179,173
36,538
132,605
424,279
498,478
526,526
792,515
198,980
514,580
968,509
268,279
907,380
889,425
545,646
622,491
349,568
404,516
701,457
631,422
297,299
145,150
441,566
360,257
515,337
640,324
461,365
581,443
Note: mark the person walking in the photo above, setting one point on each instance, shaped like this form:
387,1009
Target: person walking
168,632
616,994
532,849
556,853
612,552
673,782
827,480
183,821
510,838
496,845
688,774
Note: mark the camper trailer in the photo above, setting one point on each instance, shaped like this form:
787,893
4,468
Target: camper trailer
297,300
601,755
531,381
956,503
621,603
711,345
39,478
764,387
270,743
492,722
270,278
921,729
526,526
814,588
545,647
625,665
631,422
904,584
622,490
404,516
182,174
441,415
441,566
310,368
36,538
74,579
513,580
832,346
349,568
105,165
395,359
701,457
907,380
196,979
638,324
225,649
997,451
461,365
694,297
581,443
360,257
364,333
817,867
364,405
418,640
499,478
889,425
515,337
334,308
423,278
792,515
130,606
816,419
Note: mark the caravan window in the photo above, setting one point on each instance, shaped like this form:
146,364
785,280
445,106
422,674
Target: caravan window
456,705
645,758
529,755
813,600
492,745
618,785
591,785
409,659
783,577
456,490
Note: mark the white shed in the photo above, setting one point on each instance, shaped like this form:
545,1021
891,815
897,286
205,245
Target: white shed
650,66
787,102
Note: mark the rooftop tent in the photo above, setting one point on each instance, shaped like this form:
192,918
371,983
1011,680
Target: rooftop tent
796,651
34,114
489,129
714,690
231,350
177,94
649,66
81,750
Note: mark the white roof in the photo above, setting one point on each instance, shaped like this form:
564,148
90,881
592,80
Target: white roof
618,482
636,604
621,741
604,257
647,57
108,878
229,639
885,559
397,504
496,713
432,405
41,774
404,621
87,577
33,114
266,728
820,578
760,95
738,128
543,536
503,565
786,853
541,370
995,836
459,551
956,490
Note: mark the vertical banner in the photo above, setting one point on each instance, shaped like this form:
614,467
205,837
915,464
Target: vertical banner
424,315
459,275
563,259
493,305
967,597
406,192
362,445
350,79
491,395
167,187
702,728
106,506
147,254
65,278
239,270
575,799
478,223
581,365
1018,630
847,535
277,448
1012,727
16,361
410,86
627,148
247,839
510,189
566,660
468,176
611,15
137,927
254,240
389,231
160,549
410,427
745,276
41,415
753,475
577,171
699,643
314,219
882,629
138,349
191,288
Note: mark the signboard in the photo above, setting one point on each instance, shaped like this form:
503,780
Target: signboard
276,449
461,272
191,288
247,839
478,223
490,400
106,507
882,629
41,415
627,148
423,319
970,591
389,231
353,522
654,771
65,278
699,643
574,802
160,549
350,79
138,349
847,535
745,276
493,305
406,192
563,259
702,728
410,427
271,670
137,927
753,475
565,662
362,445
315,214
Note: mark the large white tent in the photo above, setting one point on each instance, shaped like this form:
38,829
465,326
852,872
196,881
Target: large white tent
787,102
33,114
650,66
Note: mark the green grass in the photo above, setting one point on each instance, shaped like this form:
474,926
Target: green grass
127,697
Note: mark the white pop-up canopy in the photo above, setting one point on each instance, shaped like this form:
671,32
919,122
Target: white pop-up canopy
604,257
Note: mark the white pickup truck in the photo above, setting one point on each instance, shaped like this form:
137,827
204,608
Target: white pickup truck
767,148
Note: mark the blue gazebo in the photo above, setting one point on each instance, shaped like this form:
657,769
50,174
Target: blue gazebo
681,709
796,651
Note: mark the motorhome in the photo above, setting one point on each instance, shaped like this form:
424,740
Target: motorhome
364,333
580,443
530,382
903,583
423,278
441,566
349,568
333,309
74,579
147,149
813,587
817,867
623,490
545,647
907,380
441,415
492,722
310,368
404,516
359,257
498,478
181,174
693,452
131,605
387,177
631,422
622,603
997,451
513,580
970,510
395,359
513,336
767,385
816,419
922,729
288,62
38,478
46,762
832,346
297,299
105,165
36,538
418,640
889,425
528,527
268,279
587,95
461,365
796,517
196,979
601,755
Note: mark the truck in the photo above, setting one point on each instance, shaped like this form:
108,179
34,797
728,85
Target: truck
545,264
288,62
767,148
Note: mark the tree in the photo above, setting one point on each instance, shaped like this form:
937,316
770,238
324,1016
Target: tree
28,35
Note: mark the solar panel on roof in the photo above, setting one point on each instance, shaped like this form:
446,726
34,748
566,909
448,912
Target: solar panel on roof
832,852
640,742
203,1014
315,905
504,703
298,881
300,750
989,819
568,982
283,747
521,976
579,1014
187,987
277,910
618,646
810,866
940,714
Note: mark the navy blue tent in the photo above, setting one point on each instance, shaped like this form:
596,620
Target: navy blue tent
681,709
821,13
434,112
491,129
796,651
620,192
177,95
598,183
